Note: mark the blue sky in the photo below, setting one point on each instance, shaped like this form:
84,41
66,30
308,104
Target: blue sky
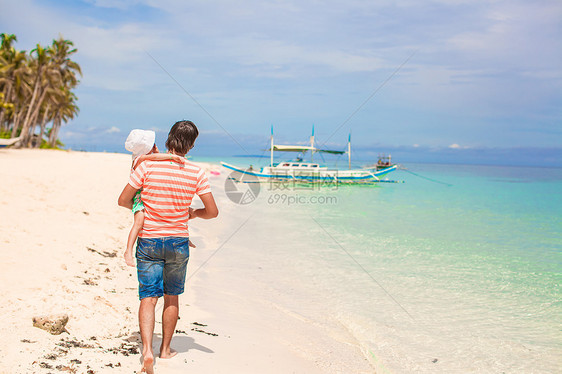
476,75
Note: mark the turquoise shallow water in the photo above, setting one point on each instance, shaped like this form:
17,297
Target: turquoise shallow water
430,277
477,264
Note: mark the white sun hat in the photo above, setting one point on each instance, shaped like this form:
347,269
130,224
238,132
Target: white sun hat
140,142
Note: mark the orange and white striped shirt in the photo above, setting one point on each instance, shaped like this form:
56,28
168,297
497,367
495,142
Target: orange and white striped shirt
167,191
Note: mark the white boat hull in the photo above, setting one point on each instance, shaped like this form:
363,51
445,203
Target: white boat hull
307,175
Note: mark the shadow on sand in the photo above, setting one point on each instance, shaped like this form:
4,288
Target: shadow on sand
180,343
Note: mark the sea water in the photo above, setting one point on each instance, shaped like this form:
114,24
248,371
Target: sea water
457,269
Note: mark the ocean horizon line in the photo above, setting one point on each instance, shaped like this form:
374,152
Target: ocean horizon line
509,157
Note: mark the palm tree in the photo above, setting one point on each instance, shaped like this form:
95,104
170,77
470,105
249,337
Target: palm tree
64,110
61,51
15,87
43,75
37,89
65,101
13,68
21,91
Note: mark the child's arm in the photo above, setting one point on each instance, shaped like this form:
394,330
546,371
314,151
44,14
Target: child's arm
159,157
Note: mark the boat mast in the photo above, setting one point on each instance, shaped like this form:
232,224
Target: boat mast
349,150
312,145
271,162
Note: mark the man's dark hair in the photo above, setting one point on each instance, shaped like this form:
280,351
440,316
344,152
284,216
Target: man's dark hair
181,137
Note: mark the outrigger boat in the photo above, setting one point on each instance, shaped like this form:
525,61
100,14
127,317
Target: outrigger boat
9,142
385,161
307,172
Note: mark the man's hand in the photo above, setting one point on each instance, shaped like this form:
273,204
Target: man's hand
209,211
192,213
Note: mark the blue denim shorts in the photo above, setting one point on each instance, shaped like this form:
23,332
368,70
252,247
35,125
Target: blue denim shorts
161,266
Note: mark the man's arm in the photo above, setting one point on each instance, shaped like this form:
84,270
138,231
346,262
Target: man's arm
126,198
209,211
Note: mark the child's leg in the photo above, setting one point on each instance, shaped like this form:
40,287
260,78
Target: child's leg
137,226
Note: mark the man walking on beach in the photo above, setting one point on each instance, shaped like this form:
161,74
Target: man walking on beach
163,244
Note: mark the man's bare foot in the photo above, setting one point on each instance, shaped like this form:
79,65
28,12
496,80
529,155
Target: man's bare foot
169,354
128,255
148,364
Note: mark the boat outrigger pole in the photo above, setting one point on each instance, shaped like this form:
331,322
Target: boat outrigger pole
312,145
271,162
349,150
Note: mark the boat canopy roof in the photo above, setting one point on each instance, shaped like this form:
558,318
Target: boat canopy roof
330,151
291,148
300,148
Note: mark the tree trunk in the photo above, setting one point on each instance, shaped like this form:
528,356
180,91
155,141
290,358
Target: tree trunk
53,136
34,116
4,124
43,125
26,121
17,120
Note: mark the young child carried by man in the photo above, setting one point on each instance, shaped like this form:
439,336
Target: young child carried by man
142,143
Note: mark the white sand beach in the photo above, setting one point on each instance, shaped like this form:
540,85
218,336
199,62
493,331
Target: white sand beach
61,239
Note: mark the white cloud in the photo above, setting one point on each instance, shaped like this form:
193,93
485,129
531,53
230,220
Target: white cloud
118,4
275,55
512,34
116,57
121,44
112,54
113,130
457,146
